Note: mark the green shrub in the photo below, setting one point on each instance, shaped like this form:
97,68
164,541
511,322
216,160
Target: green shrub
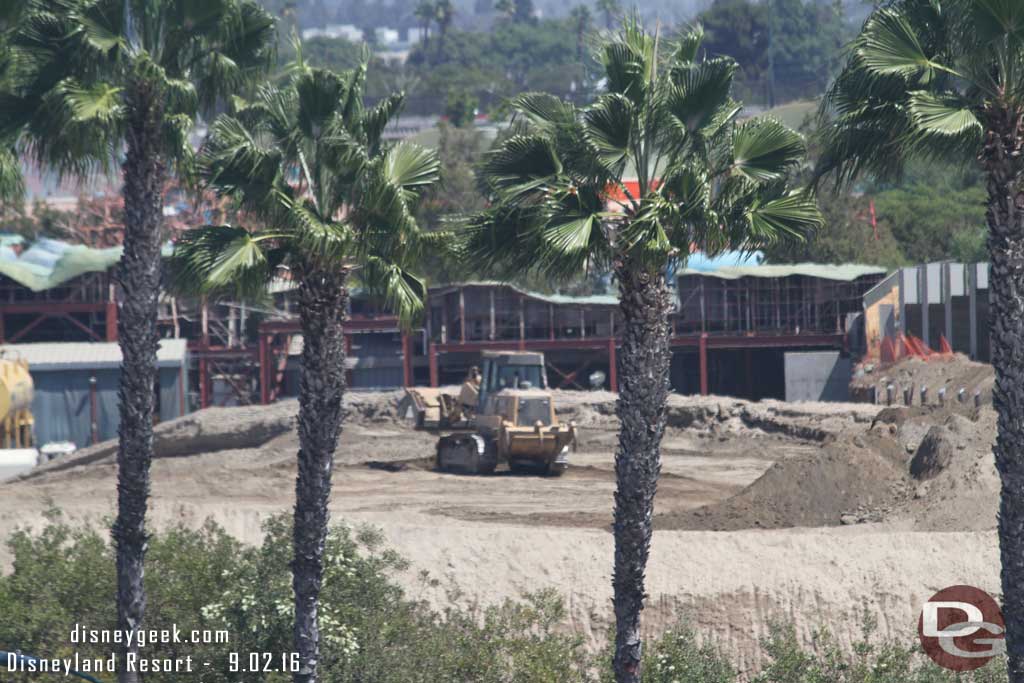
869,662
203,579
371,629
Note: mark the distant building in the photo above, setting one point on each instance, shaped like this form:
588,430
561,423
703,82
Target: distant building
386,36
346,31
415,35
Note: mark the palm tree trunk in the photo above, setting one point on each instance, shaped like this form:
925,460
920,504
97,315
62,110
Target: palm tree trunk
139,275
322,302
1004,169
643,393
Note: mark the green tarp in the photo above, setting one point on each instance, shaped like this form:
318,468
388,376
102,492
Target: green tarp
49,263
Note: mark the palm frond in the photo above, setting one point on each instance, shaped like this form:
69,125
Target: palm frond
220,260
698,93
765,150
402,291
521,166
100,102
377,118
995,19
320,96
946,116
608,126
792,216
235,163
889,45
545,111
629,62
688,45
316,239
12,184
412,167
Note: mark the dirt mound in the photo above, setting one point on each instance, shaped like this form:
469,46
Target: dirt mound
859,479
953,372
205,431
933,455
958,485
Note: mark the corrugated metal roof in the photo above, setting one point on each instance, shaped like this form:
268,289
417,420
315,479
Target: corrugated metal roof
89,355
847,272
593,299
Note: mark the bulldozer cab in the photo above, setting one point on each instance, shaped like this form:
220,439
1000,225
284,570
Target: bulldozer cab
511,370
524,408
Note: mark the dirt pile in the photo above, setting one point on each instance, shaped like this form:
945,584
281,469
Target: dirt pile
844,482
956,482
925,468
952,373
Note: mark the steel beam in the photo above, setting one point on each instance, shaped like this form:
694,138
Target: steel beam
613,377
703,350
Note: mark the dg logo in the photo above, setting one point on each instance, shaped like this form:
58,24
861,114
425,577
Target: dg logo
961,628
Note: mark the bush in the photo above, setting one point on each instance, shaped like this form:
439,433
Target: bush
371,630
204,579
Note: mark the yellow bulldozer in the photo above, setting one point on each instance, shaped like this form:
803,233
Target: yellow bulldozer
503,413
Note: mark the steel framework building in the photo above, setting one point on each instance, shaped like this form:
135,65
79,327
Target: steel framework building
727,322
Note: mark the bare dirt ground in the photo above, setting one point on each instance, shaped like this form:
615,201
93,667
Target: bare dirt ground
807,513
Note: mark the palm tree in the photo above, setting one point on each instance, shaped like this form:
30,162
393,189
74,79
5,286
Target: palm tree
425,14
94,83
611,10
580,19
929,80
12,188
506,8
561,207
444,15
307,161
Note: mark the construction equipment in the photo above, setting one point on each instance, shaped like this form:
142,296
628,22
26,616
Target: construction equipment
16,392
502,413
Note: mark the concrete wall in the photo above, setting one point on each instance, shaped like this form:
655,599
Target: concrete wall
817,376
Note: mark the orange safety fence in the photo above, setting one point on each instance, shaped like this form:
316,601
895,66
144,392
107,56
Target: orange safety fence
901,346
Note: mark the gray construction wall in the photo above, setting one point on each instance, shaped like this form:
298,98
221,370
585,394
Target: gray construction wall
61,405
62,410
817,376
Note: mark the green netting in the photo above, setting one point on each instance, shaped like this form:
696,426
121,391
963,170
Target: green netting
74,261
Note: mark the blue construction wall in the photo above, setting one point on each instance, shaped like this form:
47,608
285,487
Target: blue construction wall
61,406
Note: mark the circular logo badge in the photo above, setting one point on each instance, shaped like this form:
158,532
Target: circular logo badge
961,628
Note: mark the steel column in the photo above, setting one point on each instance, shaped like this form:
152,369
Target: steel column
407,378
264,370
972,307
613,375
947,300
111,321
432,356
703,351
204,381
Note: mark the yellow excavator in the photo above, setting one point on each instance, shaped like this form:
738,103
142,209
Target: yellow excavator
503,413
